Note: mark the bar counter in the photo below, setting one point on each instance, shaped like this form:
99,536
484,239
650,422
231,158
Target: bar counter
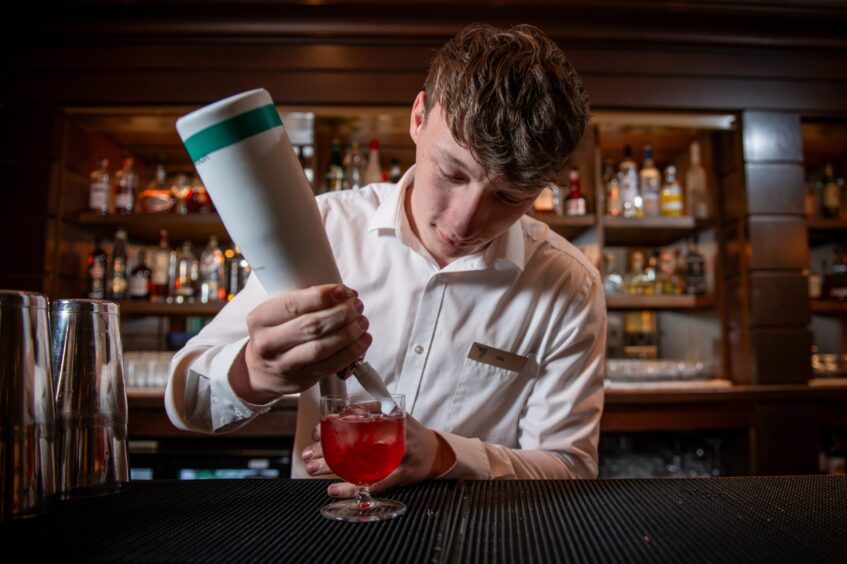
768,519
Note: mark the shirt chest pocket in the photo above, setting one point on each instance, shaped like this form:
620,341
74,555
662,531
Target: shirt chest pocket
488,401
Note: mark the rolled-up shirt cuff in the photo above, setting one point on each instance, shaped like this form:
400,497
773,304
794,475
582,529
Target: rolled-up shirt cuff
228,409
471,458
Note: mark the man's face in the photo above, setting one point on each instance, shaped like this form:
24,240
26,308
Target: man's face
453,207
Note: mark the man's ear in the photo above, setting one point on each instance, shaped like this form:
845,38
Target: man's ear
416,121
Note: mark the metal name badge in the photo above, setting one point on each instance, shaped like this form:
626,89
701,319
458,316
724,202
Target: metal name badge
496,357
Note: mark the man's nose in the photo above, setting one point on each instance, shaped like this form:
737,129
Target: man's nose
467,213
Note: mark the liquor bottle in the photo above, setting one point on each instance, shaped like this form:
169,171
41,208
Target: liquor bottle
695,183
186,275
395,173
614,202
669,281
641,337
373,170
637,282
125,180
212,272
237,270
811,201
544,203
649,181
97,271
335,169
306,154
835,281
99,188
116,276
198,200
156,196
613,284
575,202
163,265
695,270
139,280
830,194
651,274
670,198
628,179
181,189
354,165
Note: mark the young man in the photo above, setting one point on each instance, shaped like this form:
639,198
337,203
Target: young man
491,325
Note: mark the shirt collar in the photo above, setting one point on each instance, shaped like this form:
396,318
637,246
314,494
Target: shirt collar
507,250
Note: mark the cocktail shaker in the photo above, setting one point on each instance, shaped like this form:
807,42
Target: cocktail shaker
91,403
27,411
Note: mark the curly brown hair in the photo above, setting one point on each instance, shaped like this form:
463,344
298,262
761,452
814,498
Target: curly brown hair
512,99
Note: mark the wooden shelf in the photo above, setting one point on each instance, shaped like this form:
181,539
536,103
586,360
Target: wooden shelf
823,231
155,308
569,227
660,302
144,228
650,231
833,307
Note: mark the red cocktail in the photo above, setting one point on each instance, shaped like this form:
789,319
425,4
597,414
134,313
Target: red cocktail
362,445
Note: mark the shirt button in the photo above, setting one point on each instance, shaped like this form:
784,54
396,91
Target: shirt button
418,349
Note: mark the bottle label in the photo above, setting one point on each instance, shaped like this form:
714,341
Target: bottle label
123,201
160,269
138,286
575,206
98,196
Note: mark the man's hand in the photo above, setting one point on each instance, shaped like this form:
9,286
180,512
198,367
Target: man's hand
298,337
417,464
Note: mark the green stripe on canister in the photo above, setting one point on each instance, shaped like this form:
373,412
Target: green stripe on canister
231,131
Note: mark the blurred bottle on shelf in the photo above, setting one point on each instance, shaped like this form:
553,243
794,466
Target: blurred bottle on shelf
306,156
669,281
99,188
139,280
695,185
162,273
97,262
811,201
637,281
116,274
545,201
156,196
614,281
335,170
395,173
835,280
695,270
212,272
575,203
198,200
628,179
187,274
830,194
354,166
649,181
373,170
612,187
180,188
641,337
816,282
237,271
670,198
125,181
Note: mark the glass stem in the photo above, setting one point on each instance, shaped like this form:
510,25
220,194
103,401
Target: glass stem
363,498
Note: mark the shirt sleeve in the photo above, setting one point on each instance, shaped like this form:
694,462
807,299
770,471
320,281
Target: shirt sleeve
199,396
560,428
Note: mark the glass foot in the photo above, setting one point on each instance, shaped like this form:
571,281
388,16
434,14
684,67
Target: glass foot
355,511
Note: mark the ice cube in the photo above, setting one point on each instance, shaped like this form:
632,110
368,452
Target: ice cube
354,412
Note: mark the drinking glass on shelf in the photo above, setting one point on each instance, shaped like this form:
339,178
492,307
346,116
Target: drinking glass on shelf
362,446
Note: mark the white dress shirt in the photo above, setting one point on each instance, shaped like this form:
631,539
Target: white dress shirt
529,292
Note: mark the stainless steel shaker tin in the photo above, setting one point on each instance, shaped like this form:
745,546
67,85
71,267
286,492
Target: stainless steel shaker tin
91,403
27,410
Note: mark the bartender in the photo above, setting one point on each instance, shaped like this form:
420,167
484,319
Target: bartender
492,325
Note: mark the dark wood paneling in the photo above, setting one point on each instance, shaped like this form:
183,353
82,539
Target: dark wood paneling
31,133
774,136
26,282
778,242
780,356
27,187
734,196
775,188
779,299
785,439
28,236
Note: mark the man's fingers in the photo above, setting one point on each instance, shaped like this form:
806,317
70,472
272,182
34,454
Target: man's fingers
342,490
328,355
396,478
290,305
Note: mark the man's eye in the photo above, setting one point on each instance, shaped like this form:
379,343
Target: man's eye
452,178
509,199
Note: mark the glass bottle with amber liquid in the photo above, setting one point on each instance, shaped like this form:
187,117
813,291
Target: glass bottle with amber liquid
157,196
99,189
670,197
117,274
97,266
830,194
162,273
